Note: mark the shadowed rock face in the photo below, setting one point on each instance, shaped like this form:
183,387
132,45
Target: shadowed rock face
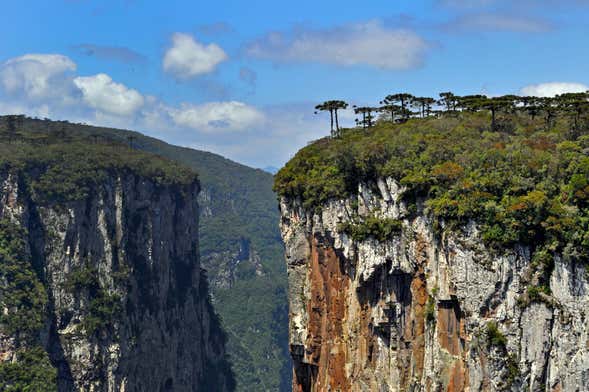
413,313
135,243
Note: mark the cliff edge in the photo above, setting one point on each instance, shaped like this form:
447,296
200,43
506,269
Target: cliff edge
437,256
100,280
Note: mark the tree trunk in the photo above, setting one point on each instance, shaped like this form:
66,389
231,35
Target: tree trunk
331,118
336,123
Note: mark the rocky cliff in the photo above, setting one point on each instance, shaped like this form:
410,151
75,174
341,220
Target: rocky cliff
410,306
112,297
240,248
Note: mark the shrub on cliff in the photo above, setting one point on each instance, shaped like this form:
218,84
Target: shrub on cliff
23,299
371,227
31,372
494,335
22,295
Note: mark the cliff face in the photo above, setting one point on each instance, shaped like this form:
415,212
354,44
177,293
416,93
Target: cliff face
126,304
240,245
424,311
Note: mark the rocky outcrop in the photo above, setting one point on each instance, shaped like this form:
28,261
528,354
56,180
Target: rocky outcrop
222,266
128,306
427,309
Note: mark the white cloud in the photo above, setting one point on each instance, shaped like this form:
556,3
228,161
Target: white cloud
102,93
187,58
368,43
36,76
553,89
267,135
216,116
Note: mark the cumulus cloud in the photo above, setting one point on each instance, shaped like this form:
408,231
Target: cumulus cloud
369,43
216,116
553,89
499,22
267,135
116,53
36,76
102,93
187,58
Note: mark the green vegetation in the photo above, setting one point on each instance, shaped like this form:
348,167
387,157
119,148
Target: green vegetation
67,172
103,307
21,291
32,372
494,336
535,292
23,295
332,107
102,311
372,227
430,310
525,184
237,206
367,118
81,278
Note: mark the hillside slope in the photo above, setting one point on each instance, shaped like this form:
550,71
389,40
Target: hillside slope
240,248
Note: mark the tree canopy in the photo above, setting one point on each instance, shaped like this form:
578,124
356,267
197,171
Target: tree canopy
397,108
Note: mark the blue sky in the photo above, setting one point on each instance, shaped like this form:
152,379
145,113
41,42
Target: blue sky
240,78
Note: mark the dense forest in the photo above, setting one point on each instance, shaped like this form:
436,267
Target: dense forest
517,166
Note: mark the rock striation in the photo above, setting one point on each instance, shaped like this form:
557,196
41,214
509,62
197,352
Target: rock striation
426,309
127,304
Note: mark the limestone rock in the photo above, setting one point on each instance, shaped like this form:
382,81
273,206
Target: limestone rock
414,313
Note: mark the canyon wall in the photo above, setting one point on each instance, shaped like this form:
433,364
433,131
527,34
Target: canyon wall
125,304
427,308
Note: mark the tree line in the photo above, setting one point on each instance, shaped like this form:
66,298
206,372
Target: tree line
20,128
401,107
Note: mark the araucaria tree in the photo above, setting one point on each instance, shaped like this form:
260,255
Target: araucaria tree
332,107
448,100
391,110
574,104
423,105
402,99
570,109
366,112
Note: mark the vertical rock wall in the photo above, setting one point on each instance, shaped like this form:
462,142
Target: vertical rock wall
423,311
128,305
